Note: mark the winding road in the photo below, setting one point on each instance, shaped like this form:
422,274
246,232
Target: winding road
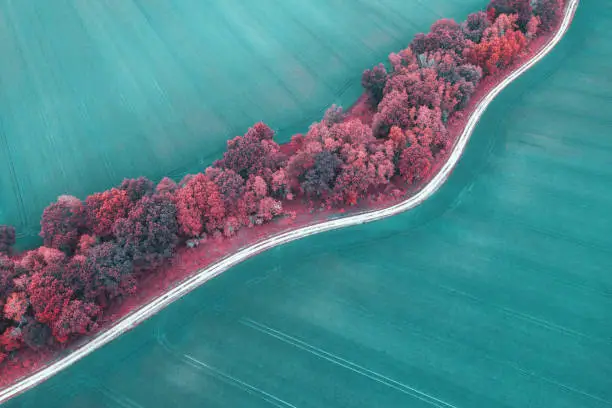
213,270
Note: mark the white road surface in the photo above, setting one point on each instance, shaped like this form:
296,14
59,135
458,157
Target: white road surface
204,275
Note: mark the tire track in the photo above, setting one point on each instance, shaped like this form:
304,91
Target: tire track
349,365
162,340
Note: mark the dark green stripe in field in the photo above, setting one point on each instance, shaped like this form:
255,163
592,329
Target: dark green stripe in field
95,91
496,292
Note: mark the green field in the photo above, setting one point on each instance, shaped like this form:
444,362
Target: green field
96,91
496,292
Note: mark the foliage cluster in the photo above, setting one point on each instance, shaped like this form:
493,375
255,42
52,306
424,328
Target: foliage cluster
96,251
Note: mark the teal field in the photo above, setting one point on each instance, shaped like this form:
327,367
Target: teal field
96,91
496,292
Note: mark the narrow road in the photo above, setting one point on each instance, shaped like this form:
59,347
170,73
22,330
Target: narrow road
213,270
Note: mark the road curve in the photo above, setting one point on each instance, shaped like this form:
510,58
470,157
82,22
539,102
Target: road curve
138,316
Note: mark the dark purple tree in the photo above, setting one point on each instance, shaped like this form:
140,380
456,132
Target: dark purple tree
137,188
474,26
7,238
520,7
62,224
7,273
230,184
373,81
318,181
254,153
334,114
471,73
445,34
549,12
150,232
106,272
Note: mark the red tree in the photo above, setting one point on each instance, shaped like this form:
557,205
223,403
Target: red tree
104,209
230,185
48,295
11,339
77,317
200,206
415,163
500,47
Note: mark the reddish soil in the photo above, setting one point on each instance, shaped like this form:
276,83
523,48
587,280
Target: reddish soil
188,262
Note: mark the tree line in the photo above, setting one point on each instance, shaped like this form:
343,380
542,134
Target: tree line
95,251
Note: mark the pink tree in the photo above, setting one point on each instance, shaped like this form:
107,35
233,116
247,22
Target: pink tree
393,110
77,317
415,163
15,306
166,186
268,209
281,185
351,184
199,206
430,130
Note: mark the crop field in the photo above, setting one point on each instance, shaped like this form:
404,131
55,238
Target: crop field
496,292
93,92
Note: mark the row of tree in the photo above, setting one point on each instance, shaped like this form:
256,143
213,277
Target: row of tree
95,251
